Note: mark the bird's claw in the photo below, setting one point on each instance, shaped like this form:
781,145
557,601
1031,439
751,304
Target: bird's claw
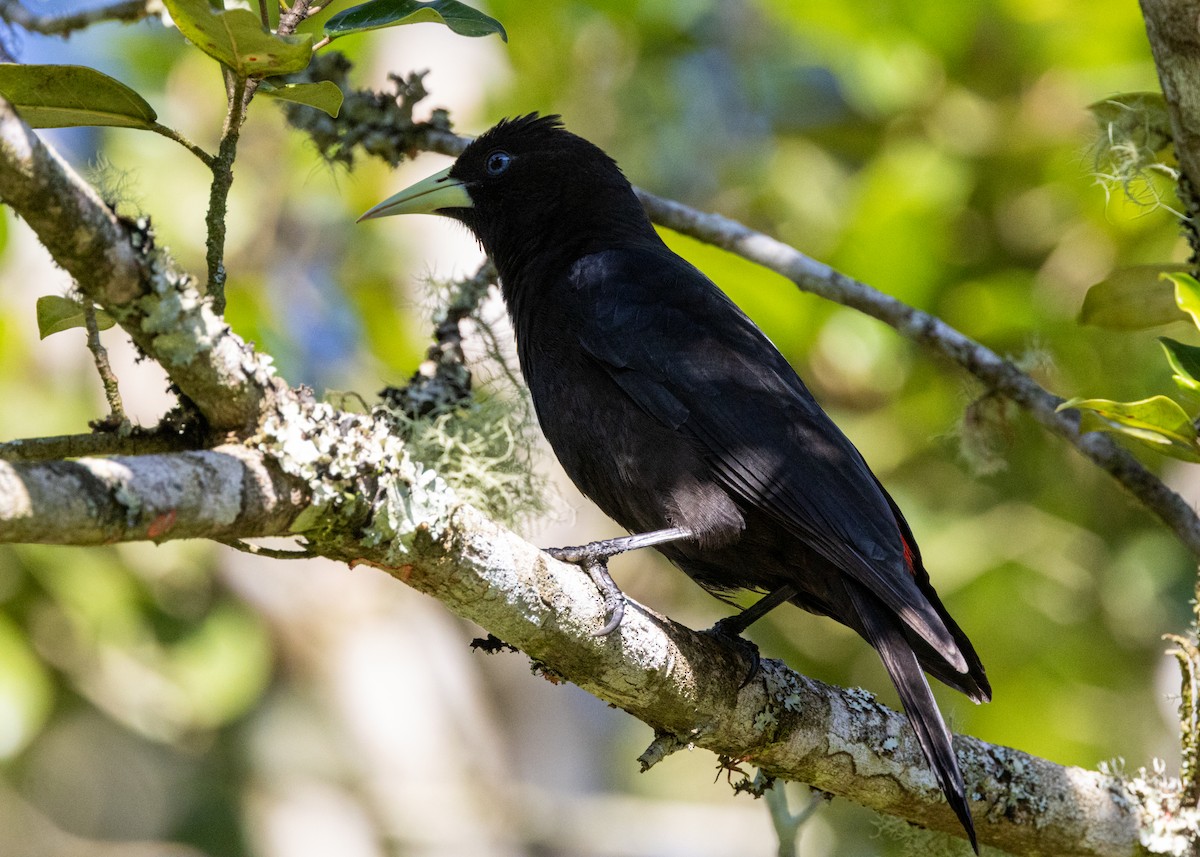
595,563
573,555
728,630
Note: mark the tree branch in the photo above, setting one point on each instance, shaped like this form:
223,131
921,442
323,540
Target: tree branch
83,234
685,685
223,493
139,441
1171,26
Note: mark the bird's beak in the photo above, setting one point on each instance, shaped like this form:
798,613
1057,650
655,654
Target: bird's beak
429,196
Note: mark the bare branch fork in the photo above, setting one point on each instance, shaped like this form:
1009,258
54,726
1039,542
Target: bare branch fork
291,465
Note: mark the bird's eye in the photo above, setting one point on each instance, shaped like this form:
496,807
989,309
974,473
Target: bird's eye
497,162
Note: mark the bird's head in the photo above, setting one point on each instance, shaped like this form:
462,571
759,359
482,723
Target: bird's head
528,187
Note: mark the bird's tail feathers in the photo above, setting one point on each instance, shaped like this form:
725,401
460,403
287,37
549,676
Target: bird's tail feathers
885,634
974,682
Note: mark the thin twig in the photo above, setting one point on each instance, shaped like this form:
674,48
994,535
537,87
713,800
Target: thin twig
105,443
272,553
112,390
294,16
240,91
171,134
128,11
787,824
1188,656
218,197
262,14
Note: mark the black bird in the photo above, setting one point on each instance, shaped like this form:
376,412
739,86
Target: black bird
672,411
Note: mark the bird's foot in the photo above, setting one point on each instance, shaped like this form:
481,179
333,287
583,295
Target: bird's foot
594,556
729,631
593,559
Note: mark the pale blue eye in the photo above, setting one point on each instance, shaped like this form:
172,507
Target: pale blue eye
497,162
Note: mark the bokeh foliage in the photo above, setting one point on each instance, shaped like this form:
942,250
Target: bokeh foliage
943,153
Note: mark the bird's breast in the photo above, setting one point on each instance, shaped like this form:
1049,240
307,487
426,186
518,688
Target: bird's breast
640,472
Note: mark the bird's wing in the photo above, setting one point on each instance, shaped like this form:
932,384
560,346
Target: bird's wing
689,357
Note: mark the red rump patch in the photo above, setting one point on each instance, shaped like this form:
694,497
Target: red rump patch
908,555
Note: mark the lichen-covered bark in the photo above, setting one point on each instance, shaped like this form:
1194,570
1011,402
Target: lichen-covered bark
685,685
223,493
88,239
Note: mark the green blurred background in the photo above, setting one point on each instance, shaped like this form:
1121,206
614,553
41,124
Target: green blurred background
190,699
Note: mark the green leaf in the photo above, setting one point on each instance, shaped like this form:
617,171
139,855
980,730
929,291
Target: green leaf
1158,423
1131,299
236,38
1185,363
323,95
65,96
55,313
1187,294
458,17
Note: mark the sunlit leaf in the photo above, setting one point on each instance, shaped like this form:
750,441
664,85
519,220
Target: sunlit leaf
1158,423
324,95
64,96
1187,294
1185,363
55,313
458,17
1132,299
236,38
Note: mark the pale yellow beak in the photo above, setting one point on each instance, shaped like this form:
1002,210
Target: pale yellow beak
428,196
